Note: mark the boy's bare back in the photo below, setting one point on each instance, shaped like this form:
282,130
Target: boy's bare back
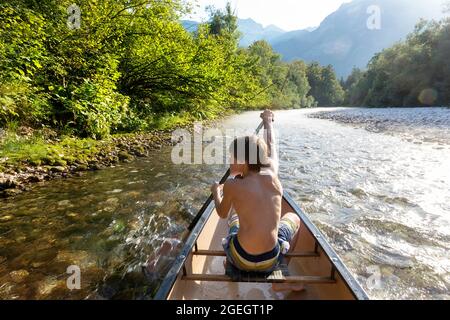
257,201
257,197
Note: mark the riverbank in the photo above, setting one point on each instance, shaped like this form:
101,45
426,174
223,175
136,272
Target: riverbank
28,158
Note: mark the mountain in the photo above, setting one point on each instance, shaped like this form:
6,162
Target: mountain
343,38
289,36
190,25
251,31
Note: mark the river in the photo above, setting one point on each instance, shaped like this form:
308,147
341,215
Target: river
375,181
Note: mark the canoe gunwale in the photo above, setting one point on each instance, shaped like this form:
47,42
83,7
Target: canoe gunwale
171,278
337,264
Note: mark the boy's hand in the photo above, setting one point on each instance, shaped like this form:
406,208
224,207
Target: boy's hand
268,116
216,189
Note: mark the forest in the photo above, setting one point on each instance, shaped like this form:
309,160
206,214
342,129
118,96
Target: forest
113,66
108,67
414,72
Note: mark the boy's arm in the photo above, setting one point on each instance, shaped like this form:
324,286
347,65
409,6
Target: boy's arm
269,136
223,202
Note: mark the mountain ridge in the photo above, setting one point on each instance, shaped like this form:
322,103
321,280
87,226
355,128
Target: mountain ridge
343,39
250,29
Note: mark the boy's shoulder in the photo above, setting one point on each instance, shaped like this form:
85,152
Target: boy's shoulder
233,185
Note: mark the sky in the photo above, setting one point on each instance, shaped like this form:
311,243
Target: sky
286,14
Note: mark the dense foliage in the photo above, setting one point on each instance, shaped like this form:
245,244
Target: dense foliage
415,72
325,87
130,65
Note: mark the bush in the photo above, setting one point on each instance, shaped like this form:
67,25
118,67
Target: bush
95,109
22,56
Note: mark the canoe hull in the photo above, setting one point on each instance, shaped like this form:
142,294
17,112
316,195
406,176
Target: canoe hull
310,240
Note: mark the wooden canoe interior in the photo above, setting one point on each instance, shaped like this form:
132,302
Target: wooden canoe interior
188,285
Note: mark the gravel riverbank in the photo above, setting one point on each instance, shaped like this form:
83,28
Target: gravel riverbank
18,177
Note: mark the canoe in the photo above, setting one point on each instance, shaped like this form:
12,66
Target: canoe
198,273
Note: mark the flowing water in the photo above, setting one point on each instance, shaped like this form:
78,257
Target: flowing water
375,181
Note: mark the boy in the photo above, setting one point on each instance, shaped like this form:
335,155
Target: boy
258,233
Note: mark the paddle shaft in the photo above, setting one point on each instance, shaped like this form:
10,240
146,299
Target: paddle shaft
211,198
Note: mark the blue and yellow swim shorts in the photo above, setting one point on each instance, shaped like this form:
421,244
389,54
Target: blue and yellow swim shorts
266,262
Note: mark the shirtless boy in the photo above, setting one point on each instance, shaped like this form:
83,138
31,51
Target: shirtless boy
259,235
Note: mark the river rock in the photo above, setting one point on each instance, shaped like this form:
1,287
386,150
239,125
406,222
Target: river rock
97,167
21,239
134,225
36,178
159,204
11,192
132,194
46,286
19,276
5,242
58,169
65,203
25,131
7,183
37,265
112,201
78,258
6,218
140,151
82,167
6,290
111,204
114,191
125,156
3,183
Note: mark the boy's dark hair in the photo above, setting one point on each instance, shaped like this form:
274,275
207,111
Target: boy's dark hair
252,151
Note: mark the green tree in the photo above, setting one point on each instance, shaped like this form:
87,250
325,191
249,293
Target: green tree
351,88
414,72
224,22
23,56
130,65
325,87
